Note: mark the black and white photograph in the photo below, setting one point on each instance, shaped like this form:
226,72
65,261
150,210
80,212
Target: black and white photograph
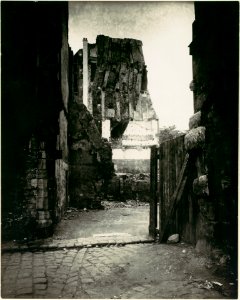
119,149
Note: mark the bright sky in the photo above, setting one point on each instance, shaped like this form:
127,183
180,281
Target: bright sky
165,28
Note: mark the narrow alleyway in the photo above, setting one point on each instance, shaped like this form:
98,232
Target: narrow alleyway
103,261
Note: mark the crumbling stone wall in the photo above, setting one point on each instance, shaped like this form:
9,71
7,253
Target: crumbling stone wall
117,81
34,112
90,158
128,186
117,76
212,138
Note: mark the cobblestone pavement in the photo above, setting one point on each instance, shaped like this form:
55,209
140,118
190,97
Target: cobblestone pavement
130,271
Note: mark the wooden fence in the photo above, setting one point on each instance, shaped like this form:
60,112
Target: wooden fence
171,206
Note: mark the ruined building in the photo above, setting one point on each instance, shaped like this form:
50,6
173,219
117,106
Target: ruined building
35,94
213,136
116,115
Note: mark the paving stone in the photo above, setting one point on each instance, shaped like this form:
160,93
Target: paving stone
38,275
72,279
53,245
40,280
8,294
87,280
38,263
68,295
102,270
139,288
81,295
70,244
24,291
59,255
53,293
40,286
40,292
56,286
10,276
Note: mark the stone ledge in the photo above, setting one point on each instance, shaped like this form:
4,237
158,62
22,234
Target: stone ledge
195,120
73,244
200,186
195,138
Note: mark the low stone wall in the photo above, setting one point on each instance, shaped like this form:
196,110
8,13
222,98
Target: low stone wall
125,186
131,160
132,166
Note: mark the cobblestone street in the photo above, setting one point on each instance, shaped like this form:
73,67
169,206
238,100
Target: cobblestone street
83,260
130,271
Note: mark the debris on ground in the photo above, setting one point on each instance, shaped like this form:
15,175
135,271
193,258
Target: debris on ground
119,204
174,238
206,285
217,283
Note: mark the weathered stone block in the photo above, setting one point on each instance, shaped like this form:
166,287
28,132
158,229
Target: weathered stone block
42,183
42,193
41,173
42,164
44,223
195,138
195,120
32,200
199,101
34,182
173,239
42,203
32,206
42,154
43,214
200,186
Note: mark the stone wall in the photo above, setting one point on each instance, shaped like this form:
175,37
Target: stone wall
116,78
127,160
133,166
213,134
35,95
129,186
90,157
117,81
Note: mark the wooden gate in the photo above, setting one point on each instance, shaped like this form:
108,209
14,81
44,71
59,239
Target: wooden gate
169,174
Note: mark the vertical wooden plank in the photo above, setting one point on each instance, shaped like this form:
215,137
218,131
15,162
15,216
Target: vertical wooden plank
161,188
167,175
172,157
170,167
164,173
153,191
190,218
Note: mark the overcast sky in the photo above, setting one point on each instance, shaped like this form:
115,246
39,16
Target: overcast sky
165,28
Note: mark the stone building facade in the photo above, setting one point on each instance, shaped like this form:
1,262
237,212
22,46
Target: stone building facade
110,81
109,77
35,95
213,135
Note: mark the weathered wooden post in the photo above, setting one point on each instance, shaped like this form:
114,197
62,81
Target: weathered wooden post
153,191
